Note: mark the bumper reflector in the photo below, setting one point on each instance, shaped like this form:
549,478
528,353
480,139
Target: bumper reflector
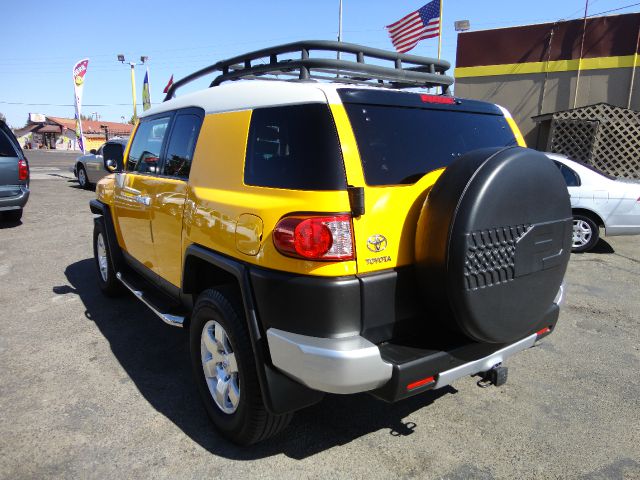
543,331
420,383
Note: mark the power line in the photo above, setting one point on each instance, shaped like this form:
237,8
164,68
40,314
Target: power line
614,10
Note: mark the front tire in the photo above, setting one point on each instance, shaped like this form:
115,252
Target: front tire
83,180
225,371
585,233
107,280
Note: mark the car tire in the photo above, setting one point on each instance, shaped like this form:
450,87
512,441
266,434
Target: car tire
13,216
107,281
218,328
83,180
586,233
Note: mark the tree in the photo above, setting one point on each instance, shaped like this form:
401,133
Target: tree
133,120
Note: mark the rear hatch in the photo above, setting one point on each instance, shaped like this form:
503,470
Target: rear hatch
398,145
10,156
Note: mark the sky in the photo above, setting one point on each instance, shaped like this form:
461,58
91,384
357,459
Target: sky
40,48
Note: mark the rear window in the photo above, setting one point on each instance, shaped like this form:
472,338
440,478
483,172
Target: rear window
6,146
398,145
294,147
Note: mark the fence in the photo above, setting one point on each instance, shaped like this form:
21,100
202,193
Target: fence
601,135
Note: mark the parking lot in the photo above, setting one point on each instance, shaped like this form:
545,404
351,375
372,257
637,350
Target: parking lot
97,388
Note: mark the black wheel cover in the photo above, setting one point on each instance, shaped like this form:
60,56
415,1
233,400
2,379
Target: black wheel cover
493,242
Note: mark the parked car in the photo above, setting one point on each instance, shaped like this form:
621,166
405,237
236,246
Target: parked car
598,200
90,168
14,175
331,236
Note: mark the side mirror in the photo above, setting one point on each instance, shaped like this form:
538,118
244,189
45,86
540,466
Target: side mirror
112,158
93,151
111,165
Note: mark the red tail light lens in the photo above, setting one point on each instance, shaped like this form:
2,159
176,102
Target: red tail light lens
23,170
437,99
316,238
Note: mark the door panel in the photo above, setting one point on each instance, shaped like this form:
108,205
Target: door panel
136,188
132,206
166,211
170,195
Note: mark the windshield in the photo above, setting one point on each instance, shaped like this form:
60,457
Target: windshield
398,145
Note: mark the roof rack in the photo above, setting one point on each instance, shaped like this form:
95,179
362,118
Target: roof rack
406,71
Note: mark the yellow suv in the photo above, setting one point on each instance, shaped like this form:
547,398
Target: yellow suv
333,225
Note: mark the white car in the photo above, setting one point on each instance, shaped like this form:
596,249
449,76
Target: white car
599,200
90,168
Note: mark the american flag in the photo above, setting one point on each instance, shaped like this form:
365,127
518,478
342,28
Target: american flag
423,23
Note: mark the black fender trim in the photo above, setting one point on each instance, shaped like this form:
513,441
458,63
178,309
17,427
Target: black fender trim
280,393
99,208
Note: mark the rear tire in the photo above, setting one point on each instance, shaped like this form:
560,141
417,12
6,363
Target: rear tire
586,234
13,216
221,346
107,280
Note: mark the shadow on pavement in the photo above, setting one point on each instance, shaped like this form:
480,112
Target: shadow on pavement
9,223
155,356
602,247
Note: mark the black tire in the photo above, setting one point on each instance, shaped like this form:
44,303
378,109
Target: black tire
250,422
13,216
588,235
109,284
83,180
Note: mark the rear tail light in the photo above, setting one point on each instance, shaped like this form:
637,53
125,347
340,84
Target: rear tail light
324,238
23,169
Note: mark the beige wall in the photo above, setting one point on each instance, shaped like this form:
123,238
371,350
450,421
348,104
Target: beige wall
523,95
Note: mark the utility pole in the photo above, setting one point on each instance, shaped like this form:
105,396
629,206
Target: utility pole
584,31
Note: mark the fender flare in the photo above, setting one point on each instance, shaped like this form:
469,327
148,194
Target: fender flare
281,394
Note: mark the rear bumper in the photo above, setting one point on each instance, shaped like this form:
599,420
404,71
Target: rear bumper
17,201
351,363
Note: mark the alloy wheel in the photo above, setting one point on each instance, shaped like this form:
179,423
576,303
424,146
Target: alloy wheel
220,367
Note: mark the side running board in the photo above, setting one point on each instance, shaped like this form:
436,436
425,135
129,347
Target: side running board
153,302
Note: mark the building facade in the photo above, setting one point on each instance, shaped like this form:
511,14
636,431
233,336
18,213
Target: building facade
57,133
535,70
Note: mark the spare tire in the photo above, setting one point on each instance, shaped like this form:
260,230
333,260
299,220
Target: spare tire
492,243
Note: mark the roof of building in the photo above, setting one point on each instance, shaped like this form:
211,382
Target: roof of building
92,126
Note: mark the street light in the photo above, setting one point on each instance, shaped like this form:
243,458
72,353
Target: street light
143,60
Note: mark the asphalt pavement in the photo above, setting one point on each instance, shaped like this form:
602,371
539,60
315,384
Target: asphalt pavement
98,388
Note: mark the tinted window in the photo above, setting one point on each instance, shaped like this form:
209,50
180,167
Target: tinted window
399,145
294,147
144,155
6,147
571,178
181,145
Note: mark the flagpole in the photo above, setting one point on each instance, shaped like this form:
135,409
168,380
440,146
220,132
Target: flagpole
440,33
339,26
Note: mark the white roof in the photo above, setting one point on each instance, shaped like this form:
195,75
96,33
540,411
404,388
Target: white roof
250,94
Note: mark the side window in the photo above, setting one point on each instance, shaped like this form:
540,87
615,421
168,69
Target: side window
571,178
181,145
144,155
294,147
6,147
99,152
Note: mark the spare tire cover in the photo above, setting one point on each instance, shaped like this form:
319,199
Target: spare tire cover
493,241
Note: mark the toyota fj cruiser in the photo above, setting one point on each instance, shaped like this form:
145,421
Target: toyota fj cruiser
343,231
